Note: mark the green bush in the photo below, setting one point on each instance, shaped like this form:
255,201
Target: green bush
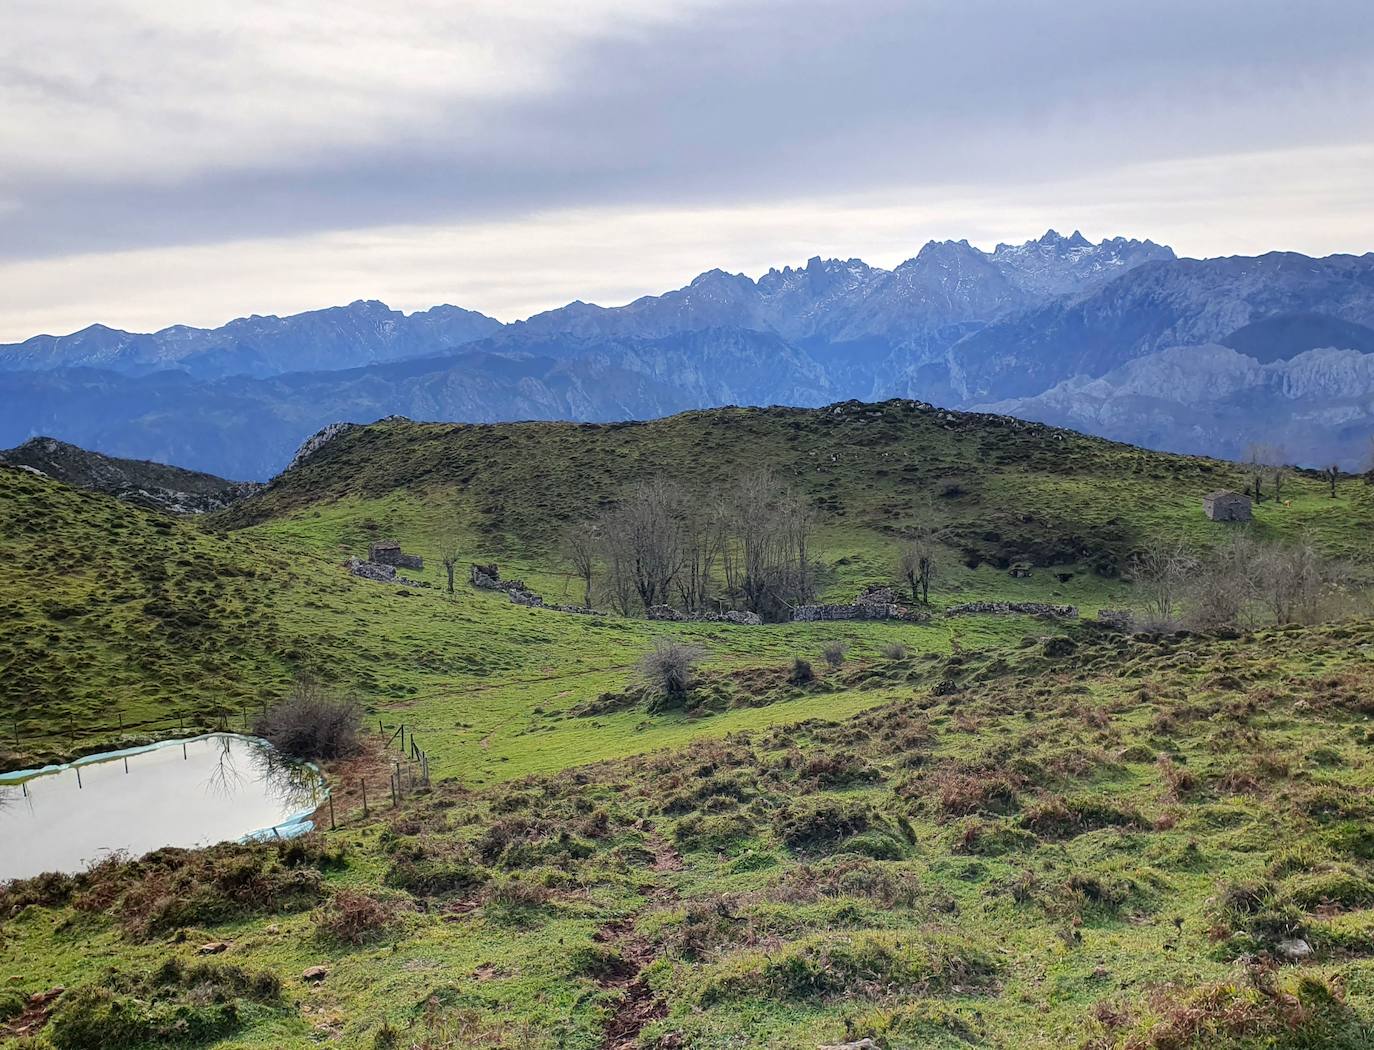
866,964
814,825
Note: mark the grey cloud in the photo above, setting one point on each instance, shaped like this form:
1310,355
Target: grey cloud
757,102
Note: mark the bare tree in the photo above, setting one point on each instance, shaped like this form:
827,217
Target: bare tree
1266,463
448,555
1163,571
766,554
579,545
1224,587
1298,582
643,541
917,565
703,539
1333,475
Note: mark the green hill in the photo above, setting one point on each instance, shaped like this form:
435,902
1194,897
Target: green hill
115,614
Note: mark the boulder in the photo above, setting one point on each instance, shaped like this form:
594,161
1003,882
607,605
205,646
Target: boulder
1294,949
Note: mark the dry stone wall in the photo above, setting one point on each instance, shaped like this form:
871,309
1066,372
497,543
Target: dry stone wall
1040,609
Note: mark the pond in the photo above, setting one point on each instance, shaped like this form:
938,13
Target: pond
189,793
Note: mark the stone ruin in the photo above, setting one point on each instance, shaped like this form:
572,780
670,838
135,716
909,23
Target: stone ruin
1041,609
384,557
379,572
388,552
488,578
872,603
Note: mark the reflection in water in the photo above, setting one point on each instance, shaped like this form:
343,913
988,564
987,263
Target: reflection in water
186,793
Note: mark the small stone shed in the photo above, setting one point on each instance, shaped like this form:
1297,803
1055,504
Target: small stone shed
388,552
1225,505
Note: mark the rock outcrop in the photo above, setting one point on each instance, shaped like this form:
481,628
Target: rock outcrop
155,486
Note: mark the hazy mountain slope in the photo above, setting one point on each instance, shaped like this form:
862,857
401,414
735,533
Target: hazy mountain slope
153,485
339,337
1155,306
245,427
952,325
1316,407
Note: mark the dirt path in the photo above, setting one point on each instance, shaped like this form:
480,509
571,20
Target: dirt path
32,1019
638,1006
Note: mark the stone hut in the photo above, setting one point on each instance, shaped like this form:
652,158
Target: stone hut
1225,505
388,552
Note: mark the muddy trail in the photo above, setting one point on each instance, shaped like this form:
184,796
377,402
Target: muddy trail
638,1006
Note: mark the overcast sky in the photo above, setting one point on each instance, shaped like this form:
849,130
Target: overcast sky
164,161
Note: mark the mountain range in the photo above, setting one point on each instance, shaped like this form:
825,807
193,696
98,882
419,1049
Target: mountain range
1119,338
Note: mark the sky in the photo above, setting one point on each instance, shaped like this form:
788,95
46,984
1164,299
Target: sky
164,162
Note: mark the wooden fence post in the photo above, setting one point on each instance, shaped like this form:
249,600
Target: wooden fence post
331,811
363,782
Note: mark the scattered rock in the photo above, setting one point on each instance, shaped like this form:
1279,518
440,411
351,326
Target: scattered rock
212,948
1116,619
1294,949
314,975
371,570
860,1044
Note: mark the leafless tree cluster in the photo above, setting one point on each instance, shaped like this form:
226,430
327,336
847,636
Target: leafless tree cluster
747,547
917,564
1266,465
1242,583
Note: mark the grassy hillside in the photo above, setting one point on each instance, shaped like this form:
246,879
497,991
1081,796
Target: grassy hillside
1013,833
1103,843
114,615
998,490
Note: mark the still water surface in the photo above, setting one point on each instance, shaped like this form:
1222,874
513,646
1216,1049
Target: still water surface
180,793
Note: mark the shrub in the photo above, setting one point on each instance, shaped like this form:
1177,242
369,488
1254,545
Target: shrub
177,1004
514,898
961,792
894,651
311,724
1056,817
801,672
822,823
350,917
834,654
1301,1012
433,876
180,888
668,671
834,769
